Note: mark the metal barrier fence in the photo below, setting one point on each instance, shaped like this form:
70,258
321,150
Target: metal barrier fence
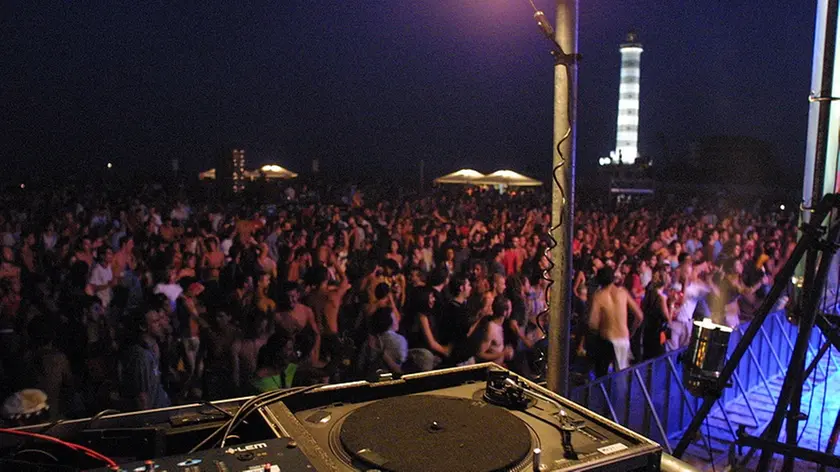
650,398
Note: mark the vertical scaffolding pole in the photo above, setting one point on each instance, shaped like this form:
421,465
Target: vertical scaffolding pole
562,199
822,76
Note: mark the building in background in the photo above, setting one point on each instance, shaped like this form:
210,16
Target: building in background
230,171
238,162
627,125
623,173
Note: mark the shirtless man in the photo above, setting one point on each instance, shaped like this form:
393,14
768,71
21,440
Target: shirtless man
608,320
124,258
213,260
493,348
8,268
296,317
325,301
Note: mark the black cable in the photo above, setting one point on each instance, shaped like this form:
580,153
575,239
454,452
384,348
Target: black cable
54,458
51,426
810,401
31,441
222,427
250,405
57,422
99,416
709,445
217,408
825,393
260,402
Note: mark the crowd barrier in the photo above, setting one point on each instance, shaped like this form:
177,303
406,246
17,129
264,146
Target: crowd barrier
650,398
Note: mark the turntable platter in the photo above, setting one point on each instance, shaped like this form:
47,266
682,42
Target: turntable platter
435,433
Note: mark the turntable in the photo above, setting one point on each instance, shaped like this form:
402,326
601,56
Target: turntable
478,418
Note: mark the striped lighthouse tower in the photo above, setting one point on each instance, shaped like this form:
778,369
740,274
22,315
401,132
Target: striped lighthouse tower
627,130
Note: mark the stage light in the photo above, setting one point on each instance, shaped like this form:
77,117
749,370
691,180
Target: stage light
110,165
782,207
22,186
705,357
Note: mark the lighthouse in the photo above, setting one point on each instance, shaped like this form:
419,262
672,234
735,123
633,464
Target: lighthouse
627,129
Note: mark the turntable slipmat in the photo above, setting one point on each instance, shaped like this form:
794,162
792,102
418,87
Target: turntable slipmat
434,433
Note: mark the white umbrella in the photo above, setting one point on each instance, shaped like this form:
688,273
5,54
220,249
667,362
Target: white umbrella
463,176
273,171
509,178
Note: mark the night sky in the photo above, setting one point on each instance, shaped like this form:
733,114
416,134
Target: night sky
376,83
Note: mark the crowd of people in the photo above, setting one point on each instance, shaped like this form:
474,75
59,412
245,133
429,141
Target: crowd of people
143,301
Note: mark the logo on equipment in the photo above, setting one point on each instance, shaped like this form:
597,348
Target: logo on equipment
250,447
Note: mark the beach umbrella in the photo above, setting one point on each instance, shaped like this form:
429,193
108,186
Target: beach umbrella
463,176
273,171
509,178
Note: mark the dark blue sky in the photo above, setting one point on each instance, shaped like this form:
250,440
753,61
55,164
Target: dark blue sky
376,83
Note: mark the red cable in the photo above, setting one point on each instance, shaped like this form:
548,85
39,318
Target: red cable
76,447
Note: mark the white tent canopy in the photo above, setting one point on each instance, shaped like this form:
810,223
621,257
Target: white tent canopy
209,174
463,176
273,171
509,178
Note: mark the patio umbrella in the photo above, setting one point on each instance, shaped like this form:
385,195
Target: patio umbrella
463,176
509,178
273,171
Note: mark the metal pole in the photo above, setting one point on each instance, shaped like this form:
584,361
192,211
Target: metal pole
562,198
832,440
822,74
790,397
810,237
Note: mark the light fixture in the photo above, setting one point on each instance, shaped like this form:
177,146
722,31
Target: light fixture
782,207
705,357
110,165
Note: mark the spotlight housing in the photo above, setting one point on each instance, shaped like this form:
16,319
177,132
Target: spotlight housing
705,357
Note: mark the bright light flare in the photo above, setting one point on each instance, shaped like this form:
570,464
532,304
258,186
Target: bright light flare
782,207
110,165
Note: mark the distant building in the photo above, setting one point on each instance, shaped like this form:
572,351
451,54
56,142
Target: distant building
624,180
623,173
230,171
238,162
627,124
